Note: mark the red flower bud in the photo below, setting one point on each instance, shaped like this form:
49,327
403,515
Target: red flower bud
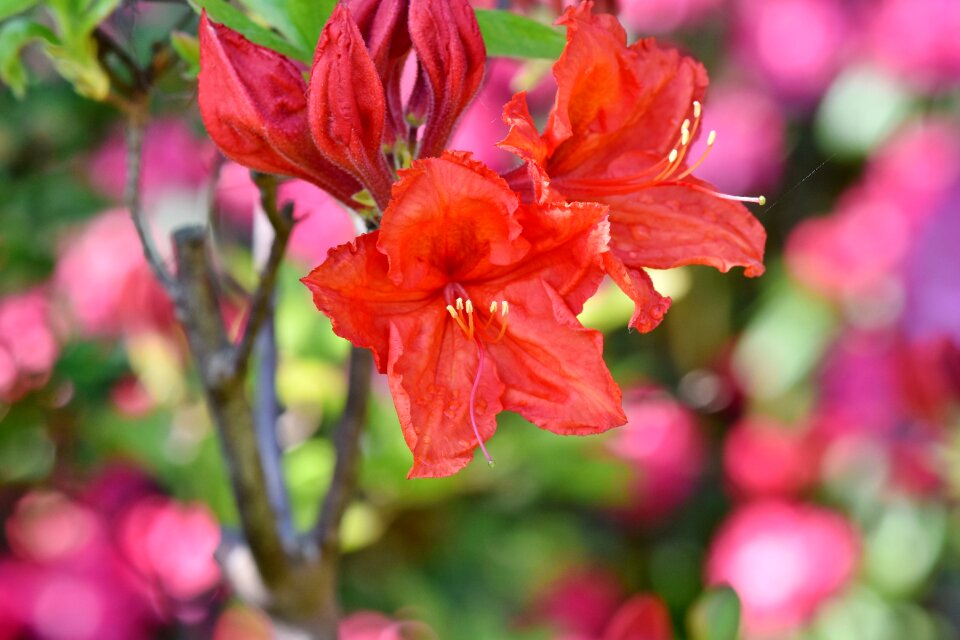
253,103
347,107
451,53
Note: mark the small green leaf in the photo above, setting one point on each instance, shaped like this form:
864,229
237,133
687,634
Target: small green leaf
220,11
300,21
13,7
513,36
715,615
97,12
188,48
14,36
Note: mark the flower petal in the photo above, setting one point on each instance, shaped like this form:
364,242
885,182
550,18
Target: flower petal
649,306
433,367
676,224
253,103
346,105
552,366
612,99
522,138
451,219
352,288
452,57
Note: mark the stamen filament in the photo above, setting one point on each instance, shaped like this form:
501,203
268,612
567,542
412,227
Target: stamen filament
473,395
710,140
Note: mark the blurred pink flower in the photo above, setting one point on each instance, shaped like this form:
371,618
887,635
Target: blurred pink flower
106,282
784,560
580,602
863,244
796,45
918,39
28,343
663,446
854,250
749,151
662,16
480,126
65,580
642,617
173,158
762,458
171,546
369,625
322,223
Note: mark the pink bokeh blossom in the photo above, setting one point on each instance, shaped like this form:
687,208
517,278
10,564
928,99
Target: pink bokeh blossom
762,458
784,560
797,46
665,450
918,40
29,345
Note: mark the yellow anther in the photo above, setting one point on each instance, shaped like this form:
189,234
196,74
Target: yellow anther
686,125
453,312
459,304
684,137
711,138
493,307
696,108
673,156
505,309
761,200
469,307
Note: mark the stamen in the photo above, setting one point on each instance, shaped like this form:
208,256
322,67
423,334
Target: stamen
493,307
503,321
470,318
456,316
760,200
696,108
710,140
473,396
459,304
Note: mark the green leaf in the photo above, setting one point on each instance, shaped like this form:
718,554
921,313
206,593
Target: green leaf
188,48
14,36
98,11
513,36
13,7
300,21
715,615
220,11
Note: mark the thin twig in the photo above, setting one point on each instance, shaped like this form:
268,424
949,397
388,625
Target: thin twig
135,135
346,440
282,222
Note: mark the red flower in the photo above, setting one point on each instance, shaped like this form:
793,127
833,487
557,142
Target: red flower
619,134
467,299
349,128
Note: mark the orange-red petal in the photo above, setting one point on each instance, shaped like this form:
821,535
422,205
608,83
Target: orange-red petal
352,288
649,306
552,366
253,104
451,219
611,98
432,370
678,224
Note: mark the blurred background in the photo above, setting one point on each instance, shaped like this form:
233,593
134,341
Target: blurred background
796,436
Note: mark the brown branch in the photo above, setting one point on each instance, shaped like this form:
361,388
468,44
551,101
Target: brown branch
260,305
135,135
347,446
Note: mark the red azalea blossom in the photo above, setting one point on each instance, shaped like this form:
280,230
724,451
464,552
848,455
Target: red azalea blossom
619,133
468,300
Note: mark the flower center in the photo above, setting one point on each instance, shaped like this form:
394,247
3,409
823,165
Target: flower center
463,313
469,321
668,171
